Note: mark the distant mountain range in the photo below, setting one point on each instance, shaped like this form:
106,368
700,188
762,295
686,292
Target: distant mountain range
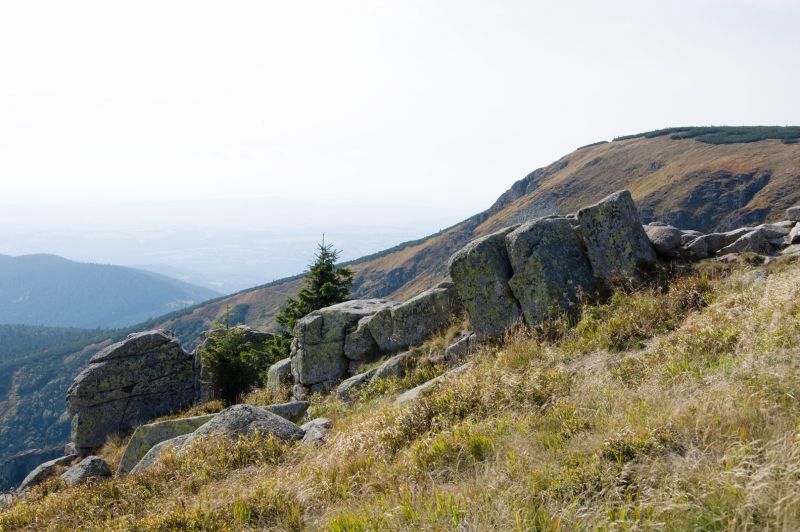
53,291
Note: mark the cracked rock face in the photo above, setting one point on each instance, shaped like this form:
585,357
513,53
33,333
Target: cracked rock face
145,376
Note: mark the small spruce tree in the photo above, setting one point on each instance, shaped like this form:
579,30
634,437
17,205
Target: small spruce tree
325,284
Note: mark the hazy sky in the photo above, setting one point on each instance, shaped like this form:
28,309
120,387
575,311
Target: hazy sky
424,103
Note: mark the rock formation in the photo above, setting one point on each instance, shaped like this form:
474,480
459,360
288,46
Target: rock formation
481,271
331,344
145,376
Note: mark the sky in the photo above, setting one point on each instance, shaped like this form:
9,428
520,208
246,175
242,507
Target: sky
148,116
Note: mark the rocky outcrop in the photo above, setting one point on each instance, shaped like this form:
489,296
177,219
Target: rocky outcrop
481,271
14,469
89,469
545,266
44,471
616,244
318,359
331,344
147,436
793,213
551,269
129,383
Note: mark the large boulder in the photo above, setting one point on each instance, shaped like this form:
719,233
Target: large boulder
551,269
147,436
318,359
666,239
44,471
404,325
617,246
89,469
793,213
246,420
15,468
481,271
129,383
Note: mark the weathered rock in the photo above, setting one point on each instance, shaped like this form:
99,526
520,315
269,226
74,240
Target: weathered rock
617,246
316,430
146,376
245,420
551,269
346,388
15,468
462,347
88,469
359,345
755,242
793,213
44,471
698,248
666,239
396,366
418,318
481,271
794,235
687,235
152,456
146,436
318,356
279,374
716,241
414,393
292,411
772,231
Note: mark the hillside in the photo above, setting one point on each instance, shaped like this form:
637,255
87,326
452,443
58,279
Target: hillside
689,182
53,291
663,408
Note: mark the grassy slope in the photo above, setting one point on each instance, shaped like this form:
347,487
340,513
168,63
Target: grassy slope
671,409
667,178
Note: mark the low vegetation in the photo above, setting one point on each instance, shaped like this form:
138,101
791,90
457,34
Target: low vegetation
724,134
663,408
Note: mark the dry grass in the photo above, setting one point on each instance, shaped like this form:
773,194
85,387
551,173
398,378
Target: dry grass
689,422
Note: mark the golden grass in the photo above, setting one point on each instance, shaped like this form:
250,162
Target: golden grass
691,426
